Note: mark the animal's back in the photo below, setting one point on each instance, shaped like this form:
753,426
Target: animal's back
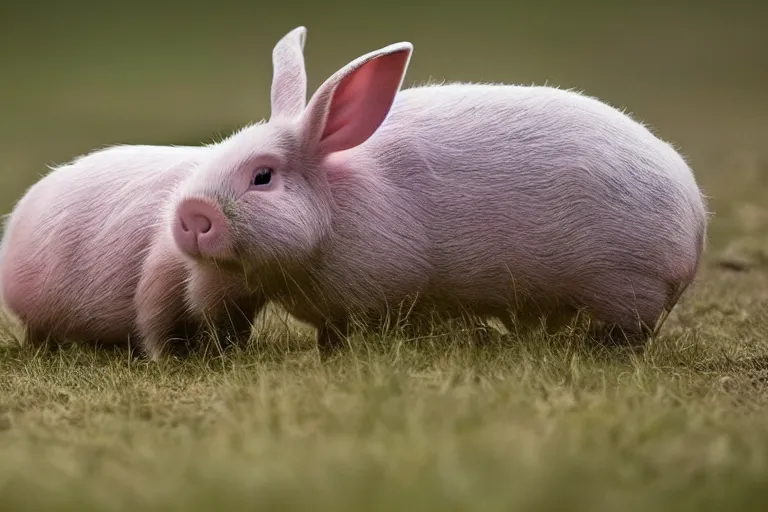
74,245
560,192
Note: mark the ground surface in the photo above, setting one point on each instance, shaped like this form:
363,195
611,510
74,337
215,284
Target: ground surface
530,423
535,422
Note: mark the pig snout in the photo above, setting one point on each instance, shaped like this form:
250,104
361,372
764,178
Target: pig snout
200,229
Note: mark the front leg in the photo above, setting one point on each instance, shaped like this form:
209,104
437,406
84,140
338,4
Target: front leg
222,300
332,336
39,339
159,301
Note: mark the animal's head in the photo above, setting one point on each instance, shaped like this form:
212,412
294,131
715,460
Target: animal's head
264,195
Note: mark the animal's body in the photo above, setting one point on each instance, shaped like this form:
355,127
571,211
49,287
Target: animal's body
492,200
87,254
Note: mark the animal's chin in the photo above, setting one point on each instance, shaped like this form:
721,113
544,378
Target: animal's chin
245,262
229,264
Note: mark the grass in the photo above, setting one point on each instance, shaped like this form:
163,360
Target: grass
539,423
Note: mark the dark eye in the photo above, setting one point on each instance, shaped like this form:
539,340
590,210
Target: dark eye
262,177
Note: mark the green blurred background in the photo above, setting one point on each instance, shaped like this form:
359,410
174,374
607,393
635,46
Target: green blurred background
80,75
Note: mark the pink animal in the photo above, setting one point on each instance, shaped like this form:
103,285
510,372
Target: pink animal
495,200
87,254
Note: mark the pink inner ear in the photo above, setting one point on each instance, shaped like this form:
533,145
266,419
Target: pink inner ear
362,101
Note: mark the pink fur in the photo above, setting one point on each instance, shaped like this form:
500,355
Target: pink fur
87,256
495,200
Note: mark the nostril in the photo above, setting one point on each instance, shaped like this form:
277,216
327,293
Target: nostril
195,222
200,228
202,223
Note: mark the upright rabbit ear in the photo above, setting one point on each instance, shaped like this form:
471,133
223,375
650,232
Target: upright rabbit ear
289,79
351,105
